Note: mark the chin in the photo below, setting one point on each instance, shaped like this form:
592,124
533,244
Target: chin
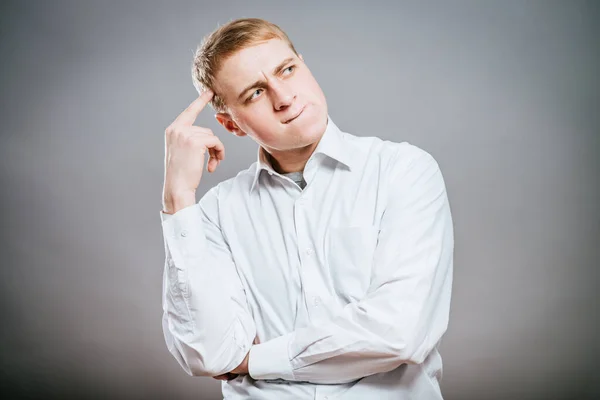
313,124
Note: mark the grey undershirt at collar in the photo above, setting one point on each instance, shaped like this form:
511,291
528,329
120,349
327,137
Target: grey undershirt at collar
297,177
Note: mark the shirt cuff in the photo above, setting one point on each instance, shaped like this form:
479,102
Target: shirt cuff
270,360
184,234
164,216
186,210
183,216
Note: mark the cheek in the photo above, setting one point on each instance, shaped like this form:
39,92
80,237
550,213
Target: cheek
255,119
258,115
311,86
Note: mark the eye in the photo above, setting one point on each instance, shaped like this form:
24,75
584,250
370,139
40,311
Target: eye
254,94
290,68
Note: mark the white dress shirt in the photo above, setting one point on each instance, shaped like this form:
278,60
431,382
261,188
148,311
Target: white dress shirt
340,290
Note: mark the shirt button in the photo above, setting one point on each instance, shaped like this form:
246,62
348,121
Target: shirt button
302,201
309,251
184,233
316,300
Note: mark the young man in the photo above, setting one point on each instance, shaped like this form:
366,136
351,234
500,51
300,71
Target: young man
322,271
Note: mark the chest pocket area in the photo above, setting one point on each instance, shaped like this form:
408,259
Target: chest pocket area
350,252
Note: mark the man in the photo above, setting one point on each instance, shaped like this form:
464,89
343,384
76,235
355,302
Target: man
322,271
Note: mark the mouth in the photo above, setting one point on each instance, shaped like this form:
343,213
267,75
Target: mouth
295,116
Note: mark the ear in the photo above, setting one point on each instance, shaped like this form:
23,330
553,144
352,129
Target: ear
228,123
300,55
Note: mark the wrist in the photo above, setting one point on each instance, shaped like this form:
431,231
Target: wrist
175,201
243,367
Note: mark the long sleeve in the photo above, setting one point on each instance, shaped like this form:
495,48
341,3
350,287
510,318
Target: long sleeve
406,309
206,322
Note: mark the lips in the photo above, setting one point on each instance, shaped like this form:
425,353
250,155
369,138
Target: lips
295,116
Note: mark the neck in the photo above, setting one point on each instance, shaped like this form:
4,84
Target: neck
290,160
284,162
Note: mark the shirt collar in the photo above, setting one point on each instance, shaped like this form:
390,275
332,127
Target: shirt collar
333,144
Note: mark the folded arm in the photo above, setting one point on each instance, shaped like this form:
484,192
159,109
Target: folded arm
206,322
406,309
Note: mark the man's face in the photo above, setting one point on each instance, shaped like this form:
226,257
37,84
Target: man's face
263,87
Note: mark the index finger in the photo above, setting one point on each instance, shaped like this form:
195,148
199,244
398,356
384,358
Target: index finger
189,115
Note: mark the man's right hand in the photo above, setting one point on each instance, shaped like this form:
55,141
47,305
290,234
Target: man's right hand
185,146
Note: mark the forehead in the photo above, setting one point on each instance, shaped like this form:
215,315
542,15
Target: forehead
249,64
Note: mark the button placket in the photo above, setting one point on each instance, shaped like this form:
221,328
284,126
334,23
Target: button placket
312,288
316,301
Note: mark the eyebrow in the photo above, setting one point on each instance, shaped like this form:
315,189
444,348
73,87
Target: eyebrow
261,83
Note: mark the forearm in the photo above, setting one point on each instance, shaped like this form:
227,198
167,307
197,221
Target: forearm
348,347
206,323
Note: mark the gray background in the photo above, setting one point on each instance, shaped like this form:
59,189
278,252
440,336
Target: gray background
504,94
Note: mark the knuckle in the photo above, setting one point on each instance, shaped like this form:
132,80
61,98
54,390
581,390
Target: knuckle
176,131
189,140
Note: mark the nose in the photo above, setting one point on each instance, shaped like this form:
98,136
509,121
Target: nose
281,95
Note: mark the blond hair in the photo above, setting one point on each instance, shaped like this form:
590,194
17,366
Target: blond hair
224,42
